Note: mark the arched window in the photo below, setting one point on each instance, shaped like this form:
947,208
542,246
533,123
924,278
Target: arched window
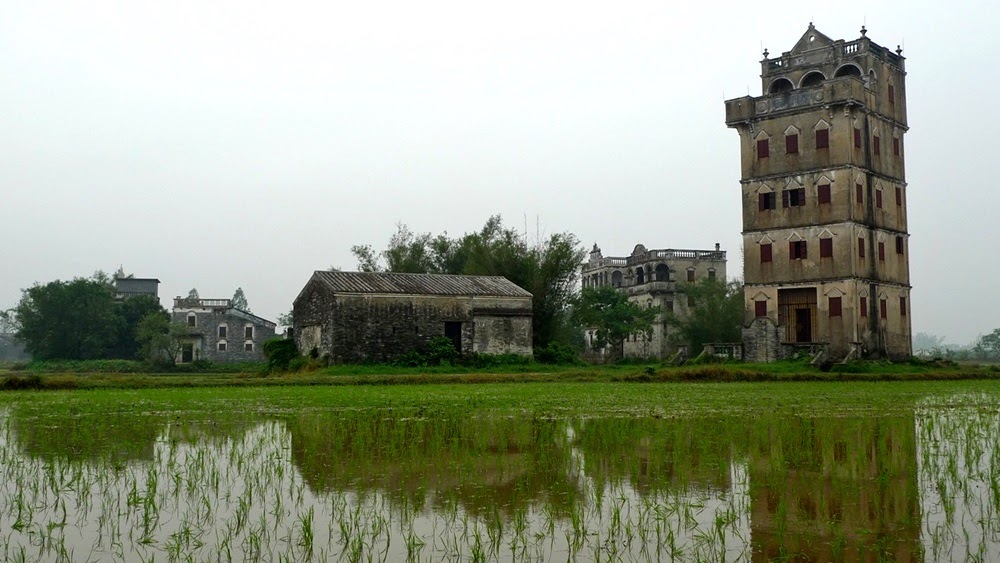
847,70
662,272
780,86
640,276
222,346
616,278
811,79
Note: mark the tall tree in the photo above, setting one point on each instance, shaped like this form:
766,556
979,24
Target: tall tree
613,318
193,294
8,321
715,314
240,300
159,340
69,320
131,311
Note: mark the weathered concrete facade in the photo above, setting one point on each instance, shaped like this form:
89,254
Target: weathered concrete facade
826,247
653,278
219,332
353,317
126,287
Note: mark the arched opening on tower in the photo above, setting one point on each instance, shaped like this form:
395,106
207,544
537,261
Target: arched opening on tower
847,70
662,272
812,79
780,86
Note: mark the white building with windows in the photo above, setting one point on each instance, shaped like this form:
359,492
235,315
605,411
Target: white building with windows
653,278
219,332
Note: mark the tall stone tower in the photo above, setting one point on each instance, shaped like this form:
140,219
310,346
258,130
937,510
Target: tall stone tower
825,242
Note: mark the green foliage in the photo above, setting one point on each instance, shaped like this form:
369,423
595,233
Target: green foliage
437,351
547,268
77,319
158,339
612,316
8,322
557,353
193,294
239,300
132,311
715,316
280,353
988,347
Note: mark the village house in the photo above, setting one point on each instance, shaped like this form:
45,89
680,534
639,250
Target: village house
351,317
128,286
219,332
826,246
652,278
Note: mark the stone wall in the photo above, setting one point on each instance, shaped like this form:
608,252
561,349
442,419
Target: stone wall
762,341
205,335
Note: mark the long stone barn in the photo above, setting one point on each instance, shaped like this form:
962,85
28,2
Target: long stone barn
356,317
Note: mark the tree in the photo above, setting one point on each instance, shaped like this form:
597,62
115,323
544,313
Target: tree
159,340
612,316
928,344
988,346
8,322
286,319
715,314
240,300
193,294
131,311
69,320
548,268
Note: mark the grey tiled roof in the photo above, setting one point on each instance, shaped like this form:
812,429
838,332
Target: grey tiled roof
420,284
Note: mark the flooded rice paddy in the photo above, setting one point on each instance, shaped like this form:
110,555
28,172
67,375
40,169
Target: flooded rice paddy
136,478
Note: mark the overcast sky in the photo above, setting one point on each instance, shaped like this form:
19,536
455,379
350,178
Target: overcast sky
223,144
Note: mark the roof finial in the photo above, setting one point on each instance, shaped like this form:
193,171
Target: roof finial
899,49
765,53
863,31
811,25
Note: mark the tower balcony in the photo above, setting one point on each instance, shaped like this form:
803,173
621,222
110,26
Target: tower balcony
847,90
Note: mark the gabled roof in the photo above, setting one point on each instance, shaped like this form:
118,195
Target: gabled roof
811,39
419,284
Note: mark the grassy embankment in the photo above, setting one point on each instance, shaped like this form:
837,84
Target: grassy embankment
118,374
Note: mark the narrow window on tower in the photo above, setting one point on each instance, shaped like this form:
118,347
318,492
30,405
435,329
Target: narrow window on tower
876,145
691,274
826,248
823,193
822,138
861,247
881,251
883,309
863,306
762,148
878,199
793,197
792,143
765,253
902,306
892,95
899,244
899,195
766,201
760,308
895,146
859,191
835,307
797,250
857,138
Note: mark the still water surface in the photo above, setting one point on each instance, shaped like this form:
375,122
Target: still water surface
360,485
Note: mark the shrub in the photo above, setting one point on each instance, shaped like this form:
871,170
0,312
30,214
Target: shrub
557,353
280,353
16,382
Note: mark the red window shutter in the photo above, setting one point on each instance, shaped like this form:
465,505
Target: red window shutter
864,307
765,252
784,198
826,248
899,245
881,250
792,251
760,308
895,146
761,202
860,191
835,307
823,193
857,137
822,138
876,146
883,309
899,195
878,199
791,143
902,306
804,250
861,247
892,95
762,148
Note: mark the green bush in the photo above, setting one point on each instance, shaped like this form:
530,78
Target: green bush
558,353
16,382
478,361
280,353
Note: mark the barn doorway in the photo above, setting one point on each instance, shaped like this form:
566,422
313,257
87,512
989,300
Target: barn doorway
453,332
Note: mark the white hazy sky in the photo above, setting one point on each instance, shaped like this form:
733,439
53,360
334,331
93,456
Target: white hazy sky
219,144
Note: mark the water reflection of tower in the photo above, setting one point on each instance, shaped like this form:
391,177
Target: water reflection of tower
835,490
